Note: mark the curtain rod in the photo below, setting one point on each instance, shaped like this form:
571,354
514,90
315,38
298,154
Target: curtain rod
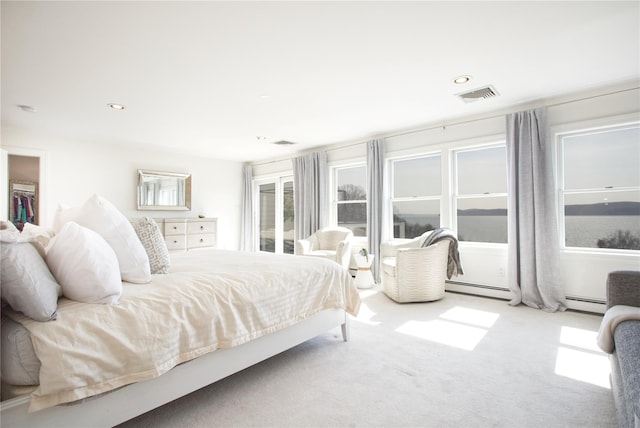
463,122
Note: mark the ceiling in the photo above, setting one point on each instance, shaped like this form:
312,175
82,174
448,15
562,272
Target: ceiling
211,77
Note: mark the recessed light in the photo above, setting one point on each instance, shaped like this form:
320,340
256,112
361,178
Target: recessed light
461,79
26,108
115,106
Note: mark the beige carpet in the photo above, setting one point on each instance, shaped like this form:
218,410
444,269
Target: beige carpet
463,361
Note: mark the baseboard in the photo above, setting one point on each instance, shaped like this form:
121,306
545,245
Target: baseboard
573,302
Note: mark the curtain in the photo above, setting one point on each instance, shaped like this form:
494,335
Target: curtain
309,193
246,227
533,249
375,201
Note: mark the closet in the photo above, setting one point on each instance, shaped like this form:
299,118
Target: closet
24,173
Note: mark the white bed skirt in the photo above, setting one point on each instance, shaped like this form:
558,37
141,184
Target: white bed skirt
132,400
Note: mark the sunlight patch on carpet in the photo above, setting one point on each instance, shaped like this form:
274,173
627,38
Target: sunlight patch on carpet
445,332
471,316
580,358
365,315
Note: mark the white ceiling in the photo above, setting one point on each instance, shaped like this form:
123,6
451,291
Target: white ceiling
209,77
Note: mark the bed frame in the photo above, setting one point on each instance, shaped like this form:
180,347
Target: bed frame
132,400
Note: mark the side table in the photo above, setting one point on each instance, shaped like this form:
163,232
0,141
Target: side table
364,278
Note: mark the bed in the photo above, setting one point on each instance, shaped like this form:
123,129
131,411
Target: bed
214,313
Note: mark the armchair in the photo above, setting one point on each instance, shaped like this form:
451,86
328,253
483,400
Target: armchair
413,273
332,243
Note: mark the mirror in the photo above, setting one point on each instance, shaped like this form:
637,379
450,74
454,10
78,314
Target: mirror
164,191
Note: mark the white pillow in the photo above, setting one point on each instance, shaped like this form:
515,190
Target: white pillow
84,265
102,217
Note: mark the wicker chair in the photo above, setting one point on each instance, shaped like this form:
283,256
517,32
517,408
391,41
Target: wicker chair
332,243
412,273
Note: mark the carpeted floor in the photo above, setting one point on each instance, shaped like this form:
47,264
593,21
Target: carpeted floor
463,361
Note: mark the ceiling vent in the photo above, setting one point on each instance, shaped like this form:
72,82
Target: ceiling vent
478,94
283,143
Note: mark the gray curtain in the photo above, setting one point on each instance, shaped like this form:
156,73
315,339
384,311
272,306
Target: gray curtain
246,226
534,267
375,201
310,197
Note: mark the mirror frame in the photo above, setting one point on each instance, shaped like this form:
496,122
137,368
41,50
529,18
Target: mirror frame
148,173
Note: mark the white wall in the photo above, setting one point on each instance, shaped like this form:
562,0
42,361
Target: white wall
584,273
77,169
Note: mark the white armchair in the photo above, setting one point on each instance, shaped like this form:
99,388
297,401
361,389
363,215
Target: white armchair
413,273
332,243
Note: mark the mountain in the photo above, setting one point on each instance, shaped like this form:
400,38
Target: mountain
611,208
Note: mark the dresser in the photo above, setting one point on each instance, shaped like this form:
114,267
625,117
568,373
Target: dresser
182,234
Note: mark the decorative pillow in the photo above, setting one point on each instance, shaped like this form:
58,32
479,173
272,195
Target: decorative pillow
102,217
85,265
26,282
154,244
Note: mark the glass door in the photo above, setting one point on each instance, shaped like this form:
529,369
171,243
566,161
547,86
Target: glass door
275,211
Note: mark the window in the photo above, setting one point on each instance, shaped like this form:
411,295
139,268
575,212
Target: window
351,198
416,194
276,216
481,195
600,189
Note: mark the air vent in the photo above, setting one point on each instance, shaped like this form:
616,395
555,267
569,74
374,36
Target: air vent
478,94
283,143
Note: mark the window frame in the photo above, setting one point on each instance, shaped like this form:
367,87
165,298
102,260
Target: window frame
334,191
391,199
455,194
577,128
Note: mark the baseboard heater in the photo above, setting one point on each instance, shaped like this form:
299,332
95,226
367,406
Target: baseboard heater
582,304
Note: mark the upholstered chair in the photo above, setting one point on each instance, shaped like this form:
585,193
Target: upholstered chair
332,243
413,273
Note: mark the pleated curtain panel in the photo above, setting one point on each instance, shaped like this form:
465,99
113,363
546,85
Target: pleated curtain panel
310,174
246,226
375,200
533,249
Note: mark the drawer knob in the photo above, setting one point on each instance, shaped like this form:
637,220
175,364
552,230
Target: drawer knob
201,240
201,227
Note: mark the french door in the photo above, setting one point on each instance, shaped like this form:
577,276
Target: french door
275,215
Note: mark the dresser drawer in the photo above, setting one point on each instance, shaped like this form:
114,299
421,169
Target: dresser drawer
176,242
196,227
175,227
201,240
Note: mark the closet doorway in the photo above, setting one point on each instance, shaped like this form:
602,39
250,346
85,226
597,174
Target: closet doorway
23,174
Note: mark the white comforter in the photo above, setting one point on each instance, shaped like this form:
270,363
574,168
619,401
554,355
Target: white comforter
210,299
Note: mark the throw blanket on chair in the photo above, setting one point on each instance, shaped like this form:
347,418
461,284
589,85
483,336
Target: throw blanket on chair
614,316
454,267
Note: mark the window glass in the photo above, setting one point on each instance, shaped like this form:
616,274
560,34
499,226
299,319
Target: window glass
351,199
482,171
267,217
287,217
601,192
413,218
417,177
417,190
481,198
483,224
